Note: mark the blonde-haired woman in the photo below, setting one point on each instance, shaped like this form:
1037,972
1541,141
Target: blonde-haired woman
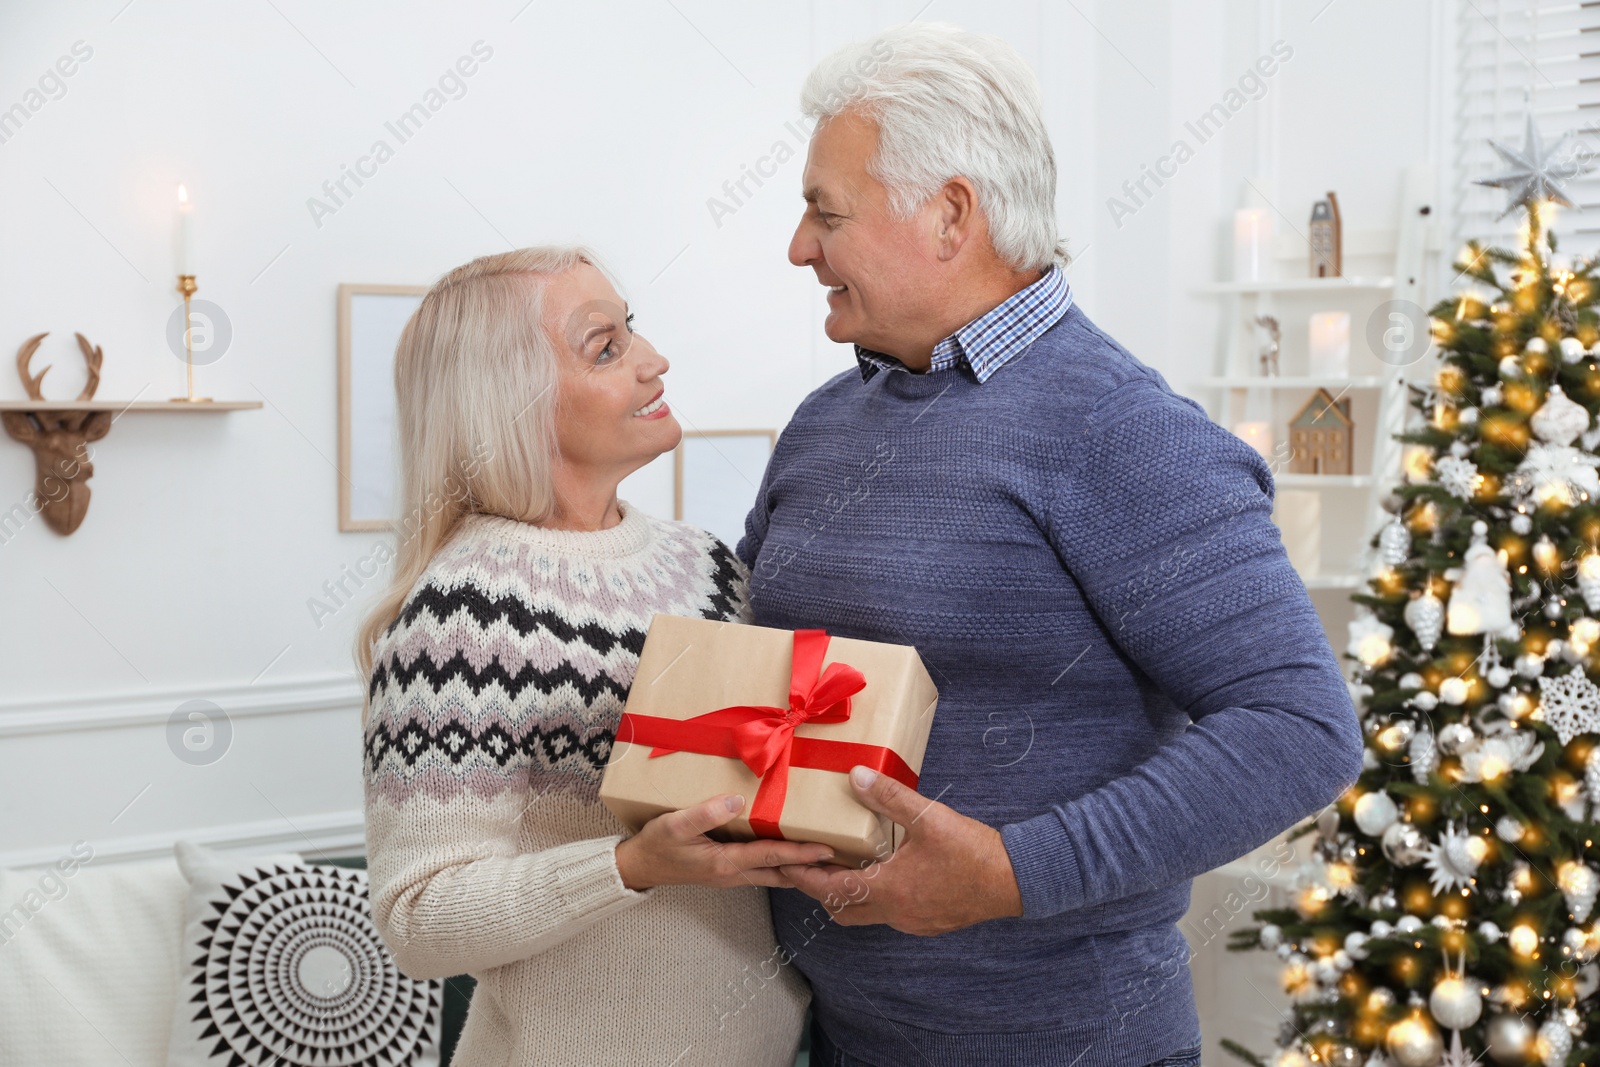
498,665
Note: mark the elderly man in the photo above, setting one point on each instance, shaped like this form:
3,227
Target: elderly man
1133,685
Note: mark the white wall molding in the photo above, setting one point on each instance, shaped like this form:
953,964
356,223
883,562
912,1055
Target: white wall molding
337,833
145,706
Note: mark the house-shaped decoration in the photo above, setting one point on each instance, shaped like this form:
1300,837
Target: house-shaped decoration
1320,436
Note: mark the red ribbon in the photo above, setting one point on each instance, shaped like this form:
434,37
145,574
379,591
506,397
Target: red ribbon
762,737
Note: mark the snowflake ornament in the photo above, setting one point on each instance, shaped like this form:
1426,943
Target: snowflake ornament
1554,473
1370,640
1570,704
1458,476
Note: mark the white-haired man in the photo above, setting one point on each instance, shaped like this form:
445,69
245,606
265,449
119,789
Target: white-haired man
1133,684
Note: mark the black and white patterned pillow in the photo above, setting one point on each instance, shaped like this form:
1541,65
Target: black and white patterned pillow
283,966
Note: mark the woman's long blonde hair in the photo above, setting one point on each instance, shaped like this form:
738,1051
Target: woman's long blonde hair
475,384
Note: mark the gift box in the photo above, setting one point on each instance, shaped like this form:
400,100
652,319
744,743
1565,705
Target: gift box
779,716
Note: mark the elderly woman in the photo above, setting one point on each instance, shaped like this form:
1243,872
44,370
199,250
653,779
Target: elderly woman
499,662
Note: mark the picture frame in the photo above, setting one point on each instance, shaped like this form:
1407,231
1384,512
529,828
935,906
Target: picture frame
371,318
715,477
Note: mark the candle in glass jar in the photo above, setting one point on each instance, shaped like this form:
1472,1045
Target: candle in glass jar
185,234
1252,244
1330,344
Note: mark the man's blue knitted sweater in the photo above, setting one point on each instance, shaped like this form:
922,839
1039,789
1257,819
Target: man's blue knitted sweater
1133,684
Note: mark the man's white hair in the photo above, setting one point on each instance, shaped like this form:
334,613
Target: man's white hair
951,103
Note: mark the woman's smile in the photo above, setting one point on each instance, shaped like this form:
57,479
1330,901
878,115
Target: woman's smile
656,409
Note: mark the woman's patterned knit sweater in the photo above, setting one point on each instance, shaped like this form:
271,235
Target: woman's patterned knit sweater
494,699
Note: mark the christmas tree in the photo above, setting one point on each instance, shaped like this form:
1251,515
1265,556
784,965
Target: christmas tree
1446,913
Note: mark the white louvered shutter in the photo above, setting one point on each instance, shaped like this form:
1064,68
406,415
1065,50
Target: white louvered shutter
1514,56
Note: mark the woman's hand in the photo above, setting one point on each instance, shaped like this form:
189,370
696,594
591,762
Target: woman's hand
673,849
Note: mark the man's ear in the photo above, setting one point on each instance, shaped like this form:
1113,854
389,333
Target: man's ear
957,219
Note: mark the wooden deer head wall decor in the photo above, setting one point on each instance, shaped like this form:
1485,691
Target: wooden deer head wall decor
59,439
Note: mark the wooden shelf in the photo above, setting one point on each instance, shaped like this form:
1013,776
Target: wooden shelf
1299,285
1322,481
125,405
1257,381
1332,581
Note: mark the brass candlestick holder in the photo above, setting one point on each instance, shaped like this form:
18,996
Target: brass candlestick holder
187,286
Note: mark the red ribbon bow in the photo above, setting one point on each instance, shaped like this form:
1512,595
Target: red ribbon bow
763,738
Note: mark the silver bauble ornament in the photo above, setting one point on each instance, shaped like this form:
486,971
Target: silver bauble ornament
1530,665
1510,1039
1456,738
1271,936
1489,932
1510,829
1355,945
1425,615
1414,1042
1456,1002
1498,677
1404,845
1425,700
1398,734
1375,812
1521,524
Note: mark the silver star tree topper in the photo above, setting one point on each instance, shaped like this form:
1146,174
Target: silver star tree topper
1538,171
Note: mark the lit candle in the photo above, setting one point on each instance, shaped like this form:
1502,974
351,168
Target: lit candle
1252,244
1258,435
185,243
1330,344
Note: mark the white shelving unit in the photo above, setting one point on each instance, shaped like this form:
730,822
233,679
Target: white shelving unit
1377,387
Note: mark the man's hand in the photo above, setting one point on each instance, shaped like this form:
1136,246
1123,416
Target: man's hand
949,871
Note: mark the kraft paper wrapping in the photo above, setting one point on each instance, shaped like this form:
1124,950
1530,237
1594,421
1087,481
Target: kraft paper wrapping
693,666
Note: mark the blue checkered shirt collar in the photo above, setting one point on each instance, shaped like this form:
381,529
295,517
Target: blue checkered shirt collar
988,341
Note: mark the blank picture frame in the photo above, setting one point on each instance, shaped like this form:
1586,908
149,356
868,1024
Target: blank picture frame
371,318
715,476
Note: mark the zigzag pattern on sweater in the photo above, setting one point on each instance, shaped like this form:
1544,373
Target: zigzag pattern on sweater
402,676
509,665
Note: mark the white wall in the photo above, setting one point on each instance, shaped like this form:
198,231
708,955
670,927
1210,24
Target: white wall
610,124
